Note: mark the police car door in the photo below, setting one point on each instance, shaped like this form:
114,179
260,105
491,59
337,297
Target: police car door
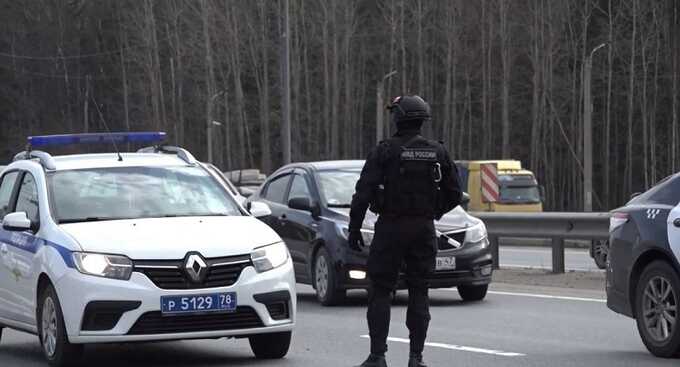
7,188
23,249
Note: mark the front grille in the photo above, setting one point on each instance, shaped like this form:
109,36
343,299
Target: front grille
155,323
278,310
450,274
443,240
170,274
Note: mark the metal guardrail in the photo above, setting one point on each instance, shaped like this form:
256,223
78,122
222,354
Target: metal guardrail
557,226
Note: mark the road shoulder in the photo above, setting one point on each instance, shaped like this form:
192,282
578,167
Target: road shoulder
571,284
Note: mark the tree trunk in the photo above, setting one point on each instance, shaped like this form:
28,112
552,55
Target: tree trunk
505,80
327,100
209,77
631,104
608,112
674,32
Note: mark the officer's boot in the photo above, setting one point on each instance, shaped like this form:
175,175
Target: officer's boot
374,360
416,360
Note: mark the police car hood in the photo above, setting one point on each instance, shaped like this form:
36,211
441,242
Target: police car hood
172,238
454,220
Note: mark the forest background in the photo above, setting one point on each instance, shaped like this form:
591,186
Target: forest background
504,78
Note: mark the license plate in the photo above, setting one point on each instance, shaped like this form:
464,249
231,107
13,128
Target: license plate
199,303
446,263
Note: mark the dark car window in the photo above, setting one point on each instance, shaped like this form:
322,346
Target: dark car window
299,188
6,188
666,192
276,190
27,201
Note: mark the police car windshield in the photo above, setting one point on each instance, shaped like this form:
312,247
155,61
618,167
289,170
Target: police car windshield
137,192
337,186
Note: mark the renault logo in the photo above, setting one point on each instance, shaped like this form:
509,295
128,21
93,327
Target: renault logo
195,268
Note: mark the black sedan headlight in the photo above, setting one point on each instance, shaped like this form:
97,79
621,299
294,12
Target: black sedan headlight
476,235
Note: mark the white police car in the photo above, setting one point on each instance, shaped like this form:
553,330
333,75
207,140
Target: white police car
146,246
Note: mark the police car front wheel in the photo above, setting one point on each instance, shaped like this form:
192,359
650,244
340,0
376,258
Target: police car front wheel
656,305
270,346
52,332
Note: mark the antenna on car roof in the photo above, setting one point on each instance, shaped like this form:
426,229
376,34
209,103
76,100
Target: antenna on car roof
113,141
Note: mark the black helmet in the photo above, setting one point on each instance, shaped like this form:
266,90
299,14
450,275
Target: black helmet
409,108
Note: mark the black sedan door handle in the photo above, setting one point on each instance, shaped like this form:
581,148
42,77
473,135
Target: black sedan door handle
676,222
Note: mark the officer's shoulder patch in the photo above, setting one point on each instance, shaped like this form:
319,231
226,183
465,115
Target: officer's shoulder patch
419,154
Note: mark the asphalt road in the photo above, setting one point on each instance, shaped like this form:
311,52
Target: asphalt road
521,327
541,258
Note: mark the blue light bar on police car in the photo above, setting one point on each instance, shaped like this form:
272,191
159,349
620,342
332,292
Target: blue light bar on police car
96,138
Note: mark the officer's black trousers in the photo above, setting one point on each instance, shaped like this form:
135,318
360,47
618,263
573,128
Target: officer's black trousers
408,244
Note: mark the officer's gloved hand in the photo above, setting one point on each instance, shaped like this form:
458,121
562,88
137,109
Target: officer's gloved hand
356,242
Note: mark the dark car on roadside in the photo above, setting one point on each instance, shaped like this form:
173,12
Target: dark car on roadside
310,211
643,272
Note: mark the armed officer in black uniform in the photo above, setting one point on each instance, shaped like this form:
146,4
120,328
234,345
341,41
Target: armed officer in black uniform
409,181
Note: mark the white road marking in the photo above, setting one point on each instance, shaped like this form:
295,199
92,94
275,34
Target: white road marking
543,296
457,347
544,250
547,296
594,269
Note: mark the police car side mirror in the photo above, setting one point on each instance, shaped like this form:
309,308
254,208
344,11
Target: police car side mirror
16,222
259,209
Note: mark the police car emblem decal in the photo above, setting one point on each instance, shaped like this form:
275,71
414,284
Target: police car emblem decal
652,213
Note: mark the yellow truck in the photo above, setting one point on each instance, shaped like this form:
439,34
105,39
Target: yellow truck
518,189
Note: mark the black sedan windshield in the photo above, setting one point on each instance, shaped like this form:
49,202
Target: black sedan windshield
137,192
337,186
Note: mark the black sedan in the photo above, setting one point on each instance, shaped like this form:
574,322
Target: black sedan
643,272
310,211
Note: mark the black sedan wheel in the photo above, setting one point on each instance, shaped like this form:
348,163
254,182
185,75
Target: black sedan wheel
657,297
472,293
325,283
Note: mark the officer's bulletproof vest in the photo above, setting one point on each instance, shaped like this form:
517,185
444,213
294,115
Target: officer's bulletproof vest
412,177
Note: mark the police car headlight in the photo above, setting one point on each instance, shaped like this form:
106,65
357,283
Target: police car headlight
101,265
366,234
477,235
269,257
